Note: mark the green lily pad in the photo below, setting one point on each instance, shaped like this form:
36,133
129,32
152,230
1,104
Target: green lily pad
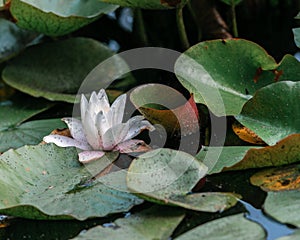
148,4
19,109
224,157
56,70
273,113
29,133
224,74
12,39
48,182
166,176
296,32
219,159
154,223
57,18
294,236
284,206
227,228
16,111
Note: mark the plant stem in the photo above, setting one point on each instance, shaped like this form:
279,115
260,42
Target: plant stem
181,29
140,25
234,23
195,19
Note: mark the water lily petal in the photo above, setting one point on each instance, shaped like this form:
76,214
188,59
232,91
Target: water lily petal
88,156
94,105
136,127
114,136
76,129
83,106
91,132
63,141
99,102
117,110
132,146
102,123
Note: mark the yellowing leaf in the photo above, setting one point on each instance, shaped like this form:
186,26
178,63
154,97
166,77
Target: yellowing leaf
246,134
284,152
278,179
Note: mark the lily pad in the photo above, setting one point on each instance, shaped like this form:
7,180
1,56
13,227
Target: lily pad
227,228
224,74
296,32
278,179
28,133
284,206
57,18
16,111
166,106
148,4
166,176
56,70
154,223
229,156
273,113
12,39
48,182
285,152
294,236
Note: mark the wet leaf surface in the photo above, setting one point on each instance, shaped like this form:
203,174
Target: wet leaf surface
154,223
48,182
166,176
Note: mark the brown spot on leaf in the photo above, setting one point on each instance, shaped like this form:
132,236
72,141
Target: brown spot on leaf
246,134
277,74
257,74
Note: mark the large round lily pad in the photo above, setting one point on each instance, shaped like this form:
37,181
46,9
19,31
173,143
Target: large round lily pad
45,181
224,74
56,70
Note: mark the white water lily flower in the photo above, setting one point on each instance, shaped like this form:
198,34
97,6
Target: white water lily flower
101,128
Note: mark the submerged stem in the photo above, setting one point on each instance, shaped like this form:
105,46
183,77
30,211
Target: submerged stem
234,23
